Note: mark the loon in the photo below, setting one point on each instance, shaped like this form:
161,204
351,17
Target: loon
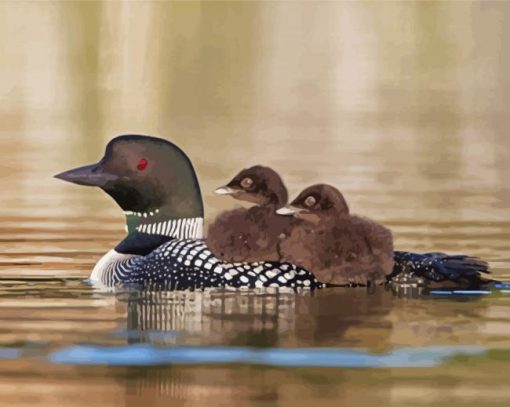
255,233
154,183
339,247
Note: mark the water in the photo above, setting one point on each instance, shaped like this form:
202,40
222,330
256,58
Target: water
403,106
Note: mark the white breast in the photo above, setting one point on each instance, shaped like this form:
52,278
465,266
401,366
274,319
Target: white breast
109,259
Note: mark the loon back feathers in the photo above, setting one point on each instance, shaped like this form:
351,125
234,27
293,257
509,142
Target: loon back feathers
189,264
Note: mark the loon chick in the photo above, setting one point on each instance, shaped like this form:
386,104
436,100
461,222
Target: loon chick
251,234
337,247
154,182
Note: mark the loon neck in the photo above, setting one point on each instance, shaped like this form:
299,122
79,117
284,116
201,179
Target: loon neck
156,223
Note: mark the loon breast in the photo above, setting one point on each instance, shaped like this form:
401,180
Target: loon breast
111,267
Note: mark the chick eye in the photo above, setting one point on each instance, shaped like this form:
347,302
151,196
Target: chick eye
310,201
142,164
246,182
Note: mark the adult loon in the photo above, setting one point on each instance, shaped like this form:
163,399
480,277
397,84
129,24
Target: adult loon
154,183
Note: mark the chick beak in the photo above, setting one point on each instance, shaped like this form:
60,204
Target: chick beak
288,210
225,190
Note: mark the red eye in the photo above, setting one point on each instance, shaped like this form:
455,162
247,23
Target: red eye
142,164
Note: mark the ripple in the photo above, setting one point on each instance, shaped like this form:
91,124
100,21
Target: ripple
142,355
9,353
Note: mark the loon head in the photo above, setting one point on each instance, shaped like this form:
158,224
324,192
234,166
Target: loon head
317,203
146,176
257,184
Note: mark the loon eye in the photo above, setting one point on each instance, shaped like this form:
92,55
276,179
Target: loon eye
310,201
142,164
246,182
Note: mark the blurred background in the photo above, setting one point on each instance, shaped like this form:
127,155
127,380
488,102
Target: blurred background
402,105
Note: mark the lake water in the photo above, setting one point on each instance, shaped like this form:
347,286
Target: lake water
403,106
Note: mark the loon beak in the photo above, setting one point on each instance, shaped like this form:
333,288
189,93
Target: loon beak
288,210
225,191
90,175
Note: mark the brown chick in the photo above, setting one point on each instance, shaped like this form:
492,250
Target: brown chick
337,247
252,234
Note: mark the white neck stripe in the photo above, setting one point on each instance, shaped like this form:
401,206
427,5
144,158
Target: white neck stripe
183,228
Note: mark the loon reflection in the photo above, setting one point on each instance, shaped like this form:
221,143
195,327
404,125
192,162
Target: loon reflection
266,317
253,318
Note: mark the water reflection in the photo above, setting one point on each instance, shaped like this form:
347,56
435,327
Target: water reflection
194,325
254,318
341,317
